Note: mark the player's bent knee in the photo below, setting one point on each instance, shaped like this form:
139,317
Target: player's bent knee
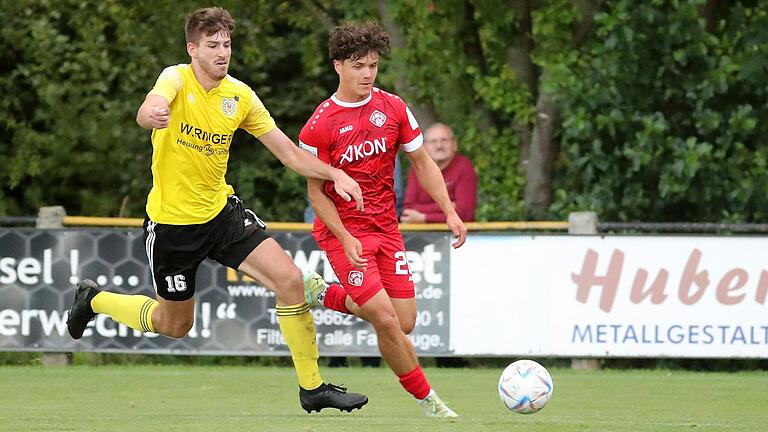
178,329
290,281
386,323
407,325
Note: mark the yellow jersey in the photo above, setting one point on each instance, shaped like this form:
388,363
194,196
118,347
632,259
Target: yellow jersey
189,157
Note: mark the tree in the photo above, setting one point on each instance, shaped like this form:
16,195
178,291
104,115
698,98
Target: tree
636,110
661,115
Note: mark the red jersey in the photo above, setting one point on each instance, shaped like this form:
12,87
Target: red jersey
362,138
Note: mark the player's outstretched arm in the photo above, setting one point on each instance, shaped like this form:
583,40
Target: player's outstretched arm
326,211
311,167
154,113
431,179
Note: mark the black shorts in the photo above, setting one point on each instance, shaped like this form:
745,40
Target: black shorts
175,251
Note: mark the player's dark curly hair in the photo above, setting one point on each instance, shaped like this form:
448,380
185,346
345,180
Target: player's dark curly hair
350,42
208,21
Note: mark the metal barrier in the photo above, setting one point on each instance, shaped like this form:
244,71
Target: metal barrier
602,227
17,221
297,226
681,227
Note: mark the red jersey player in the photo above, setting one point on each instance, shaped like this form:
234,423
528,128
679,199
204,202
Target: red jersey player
359,130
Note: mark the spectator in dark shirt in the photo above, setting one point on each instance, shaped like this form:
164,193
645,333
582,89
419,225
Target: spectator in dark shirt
459,175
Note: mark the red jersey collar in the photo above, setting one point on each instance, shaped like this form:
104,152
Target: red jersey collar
353,104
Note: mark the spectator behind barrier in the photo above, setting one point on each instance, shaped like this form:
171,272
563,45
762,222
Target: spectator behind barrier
459,175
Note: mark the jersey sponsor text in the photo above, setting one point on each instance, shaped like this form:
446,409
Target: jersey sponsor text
214,138
356,152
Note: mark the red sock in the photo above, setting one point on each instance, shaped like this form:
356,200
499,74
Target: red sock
335,297
415,383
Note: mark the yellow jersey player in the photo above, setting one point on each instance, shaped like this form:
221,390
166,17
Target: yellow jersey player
193,214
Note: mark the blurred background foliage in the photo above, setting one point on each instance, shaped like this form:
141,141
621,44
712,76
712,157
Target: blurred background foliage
640,111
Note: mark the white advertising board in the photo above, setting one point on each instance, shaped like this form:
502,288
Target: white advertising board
622,296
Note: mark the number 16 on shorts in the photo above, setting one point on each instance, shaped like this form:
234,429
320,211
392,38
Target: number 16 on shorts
176,283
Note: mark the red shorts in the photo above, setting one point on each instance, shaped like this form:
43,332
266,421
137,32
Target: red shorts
387,267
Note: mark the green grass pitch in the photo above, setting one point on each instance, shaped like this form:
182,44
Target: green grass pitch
240,398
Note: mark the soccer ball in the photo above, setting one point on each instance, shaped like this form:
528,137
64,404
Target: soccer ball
525,386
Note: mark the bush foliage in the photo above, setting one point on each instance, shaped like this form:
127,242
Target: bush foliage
658,103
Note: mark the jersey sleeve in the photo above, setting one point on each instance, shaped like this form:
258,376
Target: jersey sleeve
314,139
168,84
258,121
410,132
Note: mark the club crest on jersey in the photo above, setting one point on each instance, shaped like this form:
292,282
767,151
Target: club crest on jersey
355,278
229,106
378,118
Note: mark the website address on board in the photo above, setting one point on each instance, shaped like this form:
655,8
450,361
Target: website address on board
249,291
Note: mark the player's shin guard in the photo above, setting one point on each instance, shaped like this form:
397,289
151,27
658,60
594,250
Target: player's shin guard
135,311
298,329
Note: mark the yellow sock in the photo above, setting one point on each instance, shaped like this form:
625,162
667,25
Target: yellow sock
135,311
298,329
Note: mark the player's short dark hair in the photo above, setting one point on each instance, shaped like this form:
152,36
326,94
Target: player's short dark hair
350,41
208,21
